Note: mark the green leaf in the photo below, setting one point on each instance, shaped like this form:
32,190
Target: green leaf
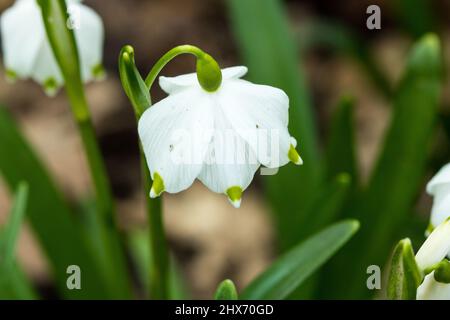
294,267
340,153
132,82
415,16
16,286
405,276
267,47
58,233
13,282
140,249
326,206
384,206
226,291
11,233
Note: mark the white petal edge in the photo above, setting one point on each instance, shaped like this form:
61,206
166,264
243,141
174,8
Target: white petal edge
230,162
46,70
435,248
260,115
430,289
441,178
175,134
90,39
441,204
174,84
22,35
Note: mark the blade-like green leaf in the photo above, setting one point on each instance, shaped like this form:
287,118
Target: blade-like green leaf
289,271
384,206
140,249
326,206
13,282
11,233
58,233
17,286
340,152
132,82
405,276
267,47
415,16
226,291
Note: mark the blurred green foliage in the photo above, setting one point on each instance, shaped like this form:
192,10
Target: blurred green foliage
304,200
384,205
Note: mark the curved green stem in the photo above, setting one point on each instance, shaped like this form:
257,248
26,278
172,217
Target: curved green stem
165,59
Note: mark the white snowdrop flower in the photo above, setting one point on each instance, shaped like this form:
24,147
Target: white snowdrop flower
220,133
433,251
439,188
27,52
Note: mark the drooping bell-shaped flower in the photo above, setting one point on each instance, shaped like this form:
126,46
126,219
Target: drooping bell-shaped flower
432,257
439,188
27,52
217,128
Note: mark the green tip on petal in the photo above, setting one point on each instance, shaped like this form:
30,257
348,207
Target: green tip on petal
157,187
235,196
11,76
50,86
98,72
294,156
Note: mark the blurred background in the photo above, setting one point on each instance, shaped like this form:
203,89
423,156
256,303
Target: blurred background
209,239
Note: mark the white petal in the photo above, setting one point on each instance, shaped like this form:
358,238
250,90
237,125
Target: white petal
430,289
260,115
435,248
45,69
230,162
174,84
234,72
441,178
89,33
441,204
175,135
22,35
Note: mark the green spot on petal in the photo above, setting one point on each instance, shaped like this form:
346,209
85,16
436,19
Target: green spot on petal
235,195
50,86
11,75
98,72
158,186
294,156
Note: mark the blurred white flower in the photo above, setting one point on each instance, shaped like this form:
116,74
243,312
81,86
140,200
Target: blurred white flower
219,137
433,251
27,52
439,188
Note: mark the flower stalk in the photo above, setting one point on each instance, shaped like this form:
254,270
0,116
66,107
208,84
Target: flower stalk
139,95
208,70
138,91
64,47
